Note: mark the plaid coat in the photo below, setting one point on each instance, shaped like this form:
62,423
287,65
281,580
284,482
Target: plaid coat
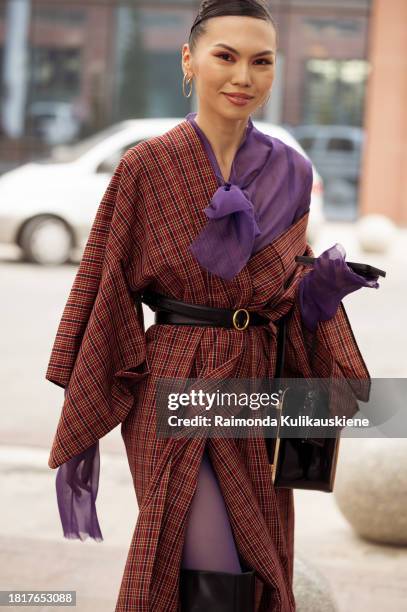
151,211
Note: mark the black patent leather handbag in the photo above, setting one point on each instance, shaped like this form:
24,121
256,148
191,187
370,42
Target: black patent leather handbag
306,462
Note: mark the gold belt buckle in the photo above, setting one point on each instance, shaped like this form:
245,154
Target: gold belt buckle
235,320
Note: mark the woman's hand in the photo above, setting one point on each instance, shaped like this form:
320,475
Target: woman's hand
330,280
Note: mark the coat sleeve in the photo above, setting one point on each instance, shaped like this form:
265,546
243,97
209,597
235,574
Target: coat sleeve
329,351
100,347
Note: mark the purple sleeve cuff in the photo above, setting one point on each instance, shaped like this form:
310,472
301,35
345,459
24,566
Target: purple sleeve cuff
77,483
330,280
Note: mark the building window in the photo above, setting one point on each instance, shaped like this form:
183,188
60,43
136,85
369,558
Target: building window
334,91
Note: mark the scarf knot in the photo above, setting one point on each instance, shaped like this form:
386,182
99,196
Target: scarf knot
226,242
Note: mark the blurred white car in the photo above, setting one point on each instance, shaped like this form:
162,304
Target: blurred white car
47,207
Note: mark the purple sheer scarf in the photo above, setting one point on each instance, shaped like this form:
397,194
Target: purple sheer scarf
77,483
246,212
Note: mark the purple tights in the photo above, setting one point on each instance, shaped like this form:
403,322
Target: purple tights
209,542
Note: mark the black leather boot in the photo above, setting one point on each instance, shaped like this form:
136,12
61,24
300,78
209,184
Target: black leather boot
206,591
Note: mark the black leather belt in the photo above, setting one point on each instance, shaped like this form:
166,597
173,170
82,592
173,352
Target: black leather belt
168,310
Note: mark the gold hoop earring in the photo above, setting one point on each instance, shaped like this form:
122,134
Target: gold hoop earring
186,82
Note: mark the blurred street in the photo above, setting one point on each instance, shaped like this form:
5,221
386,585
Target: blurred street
34,554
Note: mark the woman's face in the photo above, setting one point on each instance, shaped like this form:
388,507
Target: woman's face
232,65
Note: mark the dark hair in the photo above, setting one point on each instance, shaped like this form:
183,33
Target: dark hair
221,8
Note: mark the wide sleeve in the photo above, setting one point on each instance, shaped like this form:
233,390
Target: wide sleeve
100,347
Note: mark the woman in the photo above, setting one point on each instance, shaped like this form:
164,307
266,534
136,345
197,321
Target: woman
211,213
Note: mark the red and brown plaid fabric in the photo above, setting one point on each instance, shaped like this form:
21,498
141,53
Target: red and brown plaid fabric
150,213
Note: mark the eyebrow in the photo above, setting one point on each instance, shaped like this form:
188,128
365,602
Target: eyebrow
266,52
